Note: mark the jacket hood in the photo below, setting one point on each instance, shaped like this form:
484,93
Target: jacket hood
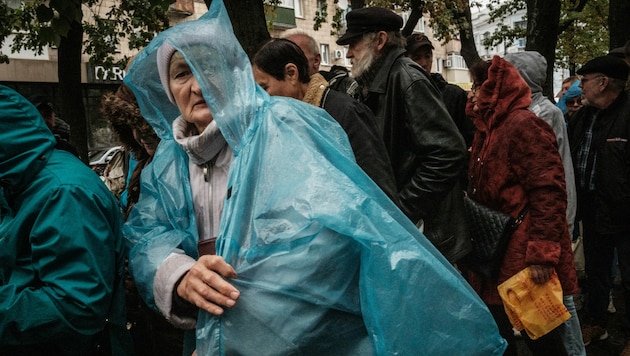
574,90
220,65
503,92
532,66
122,111
27,141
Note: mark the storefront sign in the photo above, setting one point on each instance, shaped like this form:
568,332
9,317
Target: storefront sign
102,74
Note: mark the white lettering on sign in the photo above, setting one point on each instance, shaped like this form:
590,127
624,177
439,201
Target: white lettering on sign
102,73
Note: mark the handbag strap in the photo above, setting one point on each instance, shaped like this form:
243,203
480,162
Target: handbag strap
521,215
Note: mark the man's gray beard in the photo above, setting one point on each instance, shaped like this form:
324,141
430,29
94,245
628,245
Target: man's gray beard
361,66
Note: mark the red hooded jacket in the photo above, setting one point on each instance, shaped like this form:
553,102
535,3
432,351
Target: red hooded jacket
515,161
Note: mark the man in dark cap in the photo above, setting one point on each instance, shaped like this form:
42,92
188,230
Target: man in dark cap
420,50
427,152
599,134
59,128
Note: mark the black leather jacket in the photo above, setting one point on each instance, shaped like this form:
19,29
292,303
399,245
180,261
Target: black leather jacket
609,204
359,124
427,151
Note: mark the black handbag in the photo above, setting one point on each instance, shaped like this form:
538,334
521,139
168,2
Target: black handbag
490,232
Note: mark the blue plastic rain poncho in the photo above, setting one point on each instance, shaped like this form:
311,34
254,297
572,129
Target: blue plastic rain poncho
326,263
573,91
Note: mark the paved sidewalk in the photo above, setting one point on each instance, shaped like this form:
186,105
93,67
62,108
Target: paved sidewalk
616,339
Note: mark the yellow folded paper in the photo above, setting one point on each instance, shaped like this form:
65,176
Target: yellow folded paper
535,308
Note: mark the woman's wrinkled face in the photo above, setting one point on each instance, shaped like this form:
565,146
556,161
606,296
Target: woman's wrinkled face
274,86
187,93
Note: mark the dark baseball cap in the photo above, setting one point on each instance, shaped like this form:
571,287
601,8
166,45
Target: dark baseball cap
416,41
369,19
609,65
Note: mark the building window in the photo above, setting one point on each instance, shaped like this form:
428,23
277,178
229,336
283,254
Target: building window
286,3
284,14
325,52
438,65
455,61
420,26
296,5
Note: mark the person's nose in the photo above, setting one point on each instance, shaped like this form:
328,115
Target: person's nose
195,87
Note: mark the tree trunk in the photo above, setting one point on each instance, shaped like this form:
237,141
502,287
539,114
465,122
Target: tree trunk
618,24
542,29
248,21
466,37
69,71
417,7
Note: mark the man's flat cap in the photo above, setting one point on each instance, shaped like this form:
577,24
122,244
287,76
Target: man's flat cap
369,19
610,66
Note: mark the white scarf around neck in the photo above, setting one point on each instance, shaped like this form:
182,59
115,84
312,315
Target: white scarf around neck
201,148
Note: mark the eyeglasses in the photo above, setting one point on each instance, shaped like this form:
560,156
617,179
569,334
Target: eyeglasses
576,101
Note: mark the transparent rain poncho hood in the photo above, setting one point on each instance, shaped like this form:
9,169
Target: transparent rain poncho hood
326,263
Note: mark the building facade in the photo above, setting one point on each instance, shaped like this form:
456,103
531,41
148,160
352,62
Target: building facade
301,14
30,73
483,28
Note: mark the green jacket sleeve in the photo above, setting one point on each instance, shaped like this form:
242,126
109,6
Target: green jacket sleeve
64,274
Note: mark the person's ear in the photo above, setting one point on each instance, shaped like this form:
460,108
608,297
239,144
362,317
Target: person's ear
316,63
604,82
381,40
291,73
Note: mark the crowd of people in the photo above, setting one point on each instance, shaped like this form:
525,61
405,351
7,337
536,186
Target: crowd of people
267,207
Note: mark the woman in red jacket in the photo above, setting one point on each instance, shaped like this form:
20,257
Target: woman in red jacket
514,162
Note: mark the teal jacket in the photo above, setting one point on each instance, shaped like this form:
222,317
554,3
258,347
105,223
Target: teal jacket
61,246
326,263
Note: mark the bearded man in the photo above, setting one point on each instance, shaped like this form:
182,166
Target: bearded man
426,150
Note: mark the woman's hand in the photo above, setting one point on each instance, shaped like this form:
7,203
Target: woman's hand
204,285
540,273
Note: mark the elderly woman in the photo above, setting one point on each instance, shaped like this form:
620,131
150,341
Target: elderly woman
312,257
514,163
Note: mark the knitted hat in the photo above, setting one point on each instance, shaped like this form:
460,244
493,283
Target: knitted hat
164,54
